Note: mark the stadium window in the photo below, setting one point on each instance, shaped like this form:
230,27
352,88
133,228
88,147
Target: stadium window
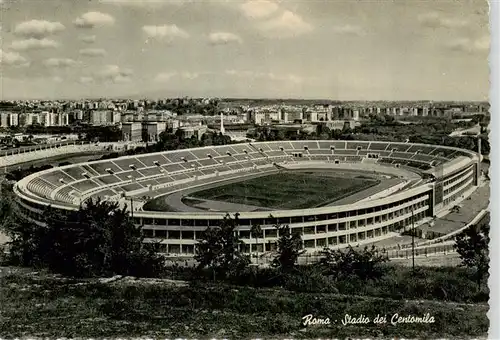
174,234
147,233
187,235
342,239
321,242
332,216
174,248
188,249
337,161
159,233
309,244
244,222
310,218
284,220
174,222
271,233
245,234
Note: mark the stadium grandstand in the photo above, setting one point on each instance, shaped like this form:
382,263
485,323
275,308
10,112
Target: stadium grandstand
426,179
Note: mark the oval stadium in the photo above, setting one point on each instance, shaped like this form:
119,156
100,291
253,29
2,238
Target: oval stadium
335,193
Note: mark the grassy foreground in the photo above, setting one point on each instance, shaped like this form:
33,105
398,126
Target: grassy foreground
41,305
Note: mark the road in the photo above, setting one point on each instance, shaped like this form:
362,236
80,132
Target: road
476,129
30,148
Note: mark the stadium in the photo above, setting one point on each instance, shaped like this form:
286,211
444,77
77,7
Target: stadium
335,193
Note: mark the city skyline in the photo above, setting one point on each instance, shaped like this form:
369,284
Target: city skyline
253,49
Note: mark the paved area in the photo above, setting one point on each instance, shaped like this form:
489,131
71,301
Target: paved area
212,205
469,208
385,184
452,260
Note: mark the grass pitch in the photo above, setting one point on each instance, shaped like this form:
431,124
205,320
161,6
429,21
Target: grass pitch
288,190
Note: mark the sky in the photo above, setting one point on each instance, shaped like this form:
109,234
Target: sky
314,49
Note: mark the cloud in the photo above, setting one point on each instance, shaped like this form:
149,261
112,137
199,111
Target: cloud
85,80
167,76
57,79
286,25
435,20
92,52
258,9
88,39
144,3
38,28
164,32
115,74
164,76
467,45
190,75
60,62
349,29
93,19
223,38
13,59
33,44
290,78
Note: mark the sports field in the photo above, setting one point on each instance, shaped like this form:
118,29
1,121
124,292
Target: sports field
288,190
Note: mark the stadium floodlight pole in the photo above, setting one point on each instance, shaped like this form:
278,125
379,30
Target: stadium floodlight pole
132,208
412,240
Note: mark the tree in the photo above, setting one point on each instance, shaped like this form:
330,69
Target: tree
97,240
342,264
472,246
289,248
218,249
257,233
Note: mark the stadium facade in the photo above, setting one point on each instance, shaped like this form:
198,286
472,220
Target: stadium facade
434,178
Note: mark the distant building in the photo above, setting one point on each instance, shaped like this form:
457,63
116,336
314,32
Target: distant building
187,132
151,131
131,131
4,119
